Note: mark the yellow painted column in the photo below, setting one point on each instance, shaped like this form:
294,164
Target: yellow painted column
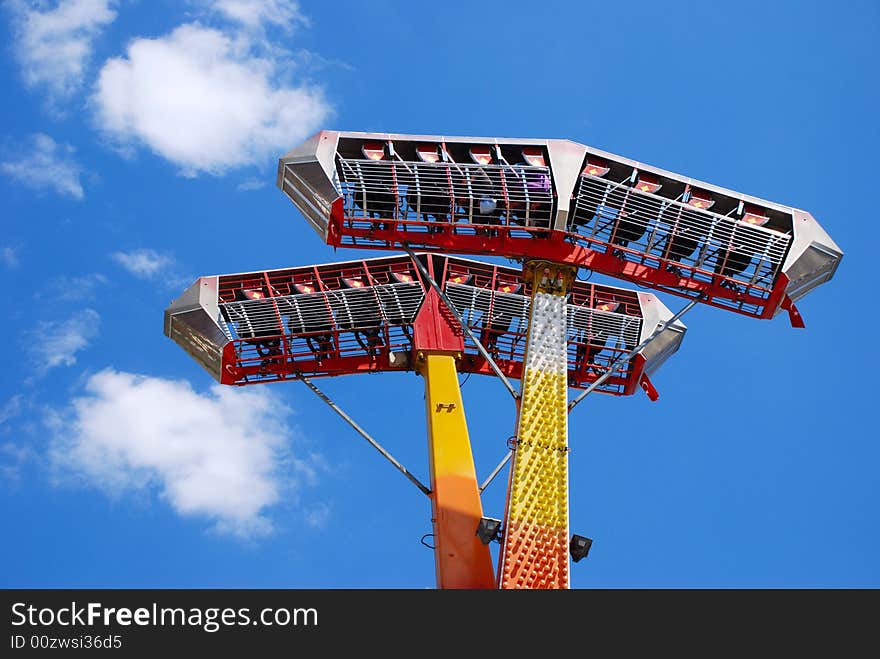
461,560
535,552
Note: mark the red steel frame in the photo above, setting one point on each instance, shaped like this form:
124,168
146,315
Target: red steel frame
558,246
243,364
384,191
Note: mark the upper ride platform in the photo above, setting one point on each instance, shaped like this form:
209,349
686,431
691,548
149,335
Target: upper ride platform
564,202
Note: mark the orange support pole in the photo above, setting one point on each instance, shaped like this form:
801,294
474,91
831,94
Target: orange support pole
461,560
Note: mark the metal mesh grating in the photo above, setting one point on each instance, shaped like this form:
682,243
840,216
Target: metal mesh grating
664,231
500,320
445,192
361,308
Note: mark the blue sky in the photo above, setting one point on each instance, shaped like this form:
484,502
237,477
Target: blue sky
137,152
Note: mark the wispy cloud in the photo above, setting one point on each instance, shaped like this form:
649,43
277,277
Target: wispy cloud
225,455
14,453
10,409
56,343
53,45
317,515
250,184
206,100
13,457
257,14
43,164
9,257
78,288
143,263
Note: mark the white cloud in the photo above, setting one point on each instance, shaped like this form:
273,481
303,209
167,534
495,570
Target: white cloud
72,289
8,257
10,409
250,184
204,101
143,263
53,46
56,343
42,164
317,516
13,458
224,455
255,14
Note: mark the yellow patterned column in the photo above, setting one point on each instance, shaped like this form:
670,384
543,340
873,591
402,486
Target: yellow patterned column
535,553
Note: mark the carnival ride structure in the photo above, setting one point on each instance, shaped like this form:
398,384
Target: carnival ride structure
555,206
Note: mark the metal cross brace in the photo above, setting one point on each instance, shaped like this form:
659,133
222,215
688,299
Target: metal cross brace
363,433
464,326
632,353
496,471
619,362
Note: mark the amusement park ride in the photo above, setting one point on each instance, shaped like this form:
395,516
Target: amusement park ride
557,207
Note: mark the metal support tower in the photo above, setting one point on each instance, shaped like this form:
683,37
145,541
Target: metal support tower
535,552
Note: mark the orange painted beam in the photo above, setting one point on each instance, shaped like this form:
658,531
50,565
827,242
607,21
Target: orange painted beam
461,560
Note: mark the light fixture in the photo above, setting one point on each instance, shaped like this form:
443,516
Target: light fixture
755,216
428,153
373,150
647,183
596,167
700,199
402,277
534,156
509,288
460,279
579,547
489,529
607,306
481,155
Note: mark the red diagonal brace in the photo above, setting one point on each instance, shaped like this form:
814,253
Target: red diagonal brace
648,386
794,316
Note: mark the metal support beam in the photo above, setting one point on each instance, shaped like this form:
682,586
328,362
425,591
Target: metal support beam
496,471
363,433
535,548
461,559
464,326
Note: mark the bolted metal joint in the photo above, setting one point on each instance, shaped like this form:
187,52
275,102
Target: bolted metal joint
549,277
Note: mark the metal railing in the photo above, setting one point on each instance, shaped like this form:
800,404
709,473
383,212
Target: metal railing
683,238
321,325
595,338
445,192
357,308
